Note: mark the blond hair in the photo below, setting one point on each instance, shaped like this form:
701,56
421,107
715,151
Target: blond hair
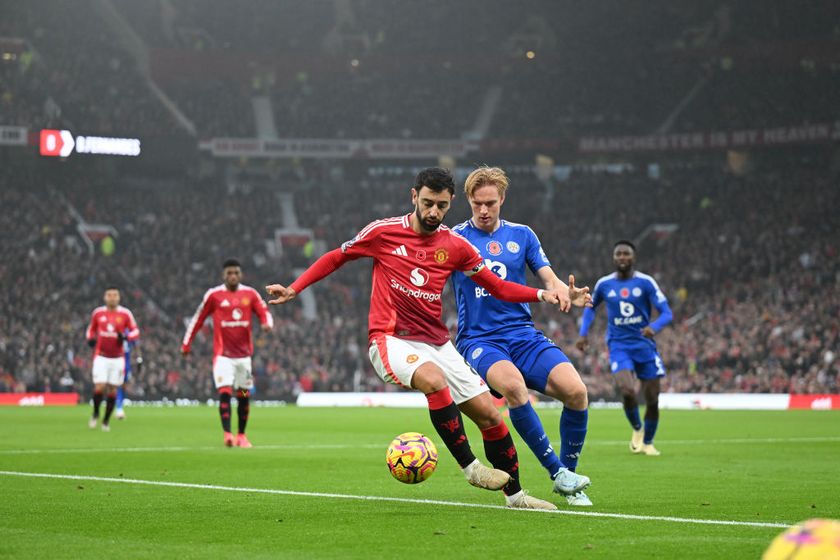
485,175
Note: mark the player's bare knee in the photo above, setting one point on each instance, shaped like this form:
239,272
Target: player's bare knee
578,397
488,417
515,393
428,378
629,398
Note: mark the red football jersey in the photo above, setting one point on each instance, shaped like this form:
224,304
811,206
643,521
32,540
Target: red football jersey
409,273
231,311
106,325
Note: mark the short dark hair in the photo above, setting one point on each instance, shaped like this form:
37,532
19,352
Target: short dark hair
436,179
111,287
231,262
625,242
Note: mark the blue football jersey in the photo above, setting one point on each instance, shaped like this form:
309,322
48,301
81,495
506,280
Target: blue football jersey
506,252
629,304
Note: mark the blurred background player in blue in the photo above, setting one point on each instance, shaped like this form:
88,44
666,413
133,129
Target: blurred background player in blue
499,340
129,347
629,296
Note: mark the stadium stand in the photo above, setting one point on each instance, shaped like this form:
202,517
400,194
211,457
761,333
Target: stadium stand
755,302
751,270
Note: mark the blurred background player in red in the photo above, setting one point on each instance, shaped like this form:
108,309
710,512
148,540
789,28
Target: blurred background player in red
110,326
231,305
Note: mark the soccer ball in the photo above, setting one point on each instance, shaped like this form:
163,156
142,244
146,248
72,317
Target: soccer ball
815,539
411,457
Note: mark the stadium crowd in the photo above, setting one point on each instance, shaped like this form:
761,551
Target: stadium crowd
72,71
751,268
751,272
75,71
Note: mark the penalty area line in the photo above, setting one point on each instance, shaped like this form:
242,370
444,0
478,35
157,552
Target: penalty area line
687,520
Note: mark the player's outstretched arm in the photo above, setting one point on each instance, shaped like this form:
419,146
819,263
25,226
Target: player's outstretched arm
511,291
320,269
580,297
201,313
569,293
280,293
552,282
665,317
582,343
261,310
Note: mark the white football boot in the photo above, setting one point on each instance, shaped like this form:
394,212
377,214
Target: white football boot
579,499
482,476
649,450
637,440
521,500
567,482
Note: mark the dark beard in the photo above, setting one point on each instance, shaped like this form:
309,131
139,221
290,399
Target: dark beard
423,224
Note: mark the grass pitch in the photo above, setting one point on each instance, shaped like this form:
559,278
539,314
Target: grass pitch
129,502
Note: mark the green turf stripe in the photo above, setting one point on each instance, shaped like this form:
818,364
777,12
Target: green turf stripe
386,499
177,448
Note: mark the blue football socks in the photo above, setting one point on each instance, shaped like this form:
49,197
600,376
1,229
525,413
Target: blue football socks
572,435
633,416
526,422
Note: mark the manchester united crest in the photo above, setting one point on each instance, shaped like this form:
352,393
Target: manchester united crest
441,256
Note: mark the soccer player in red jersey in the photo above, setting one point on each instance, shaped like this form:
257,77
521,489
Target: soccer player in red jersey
413,256
110,325
231,305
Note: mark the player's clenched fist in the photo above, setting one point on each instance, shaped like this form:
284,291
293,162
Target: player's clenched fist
280,293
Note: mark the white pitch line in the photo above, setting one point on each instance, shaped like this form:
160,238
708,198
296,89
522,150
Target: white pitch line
180,448
390,499
176,448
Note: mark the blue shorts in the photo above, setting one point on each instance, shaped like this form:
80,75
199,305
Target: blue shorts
533,353
645,362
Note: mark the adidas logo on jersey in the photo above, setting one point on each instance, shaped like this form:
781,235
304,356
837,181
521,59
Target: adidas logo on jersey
400,251
611,294
225,303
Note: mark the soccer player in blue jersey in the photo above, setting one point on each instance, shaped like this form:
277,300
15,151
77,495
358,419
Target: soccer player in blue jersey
129,346
629,296
499,340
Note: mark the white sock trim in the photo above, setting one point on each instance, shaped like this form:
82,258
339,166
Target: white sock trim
469,468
